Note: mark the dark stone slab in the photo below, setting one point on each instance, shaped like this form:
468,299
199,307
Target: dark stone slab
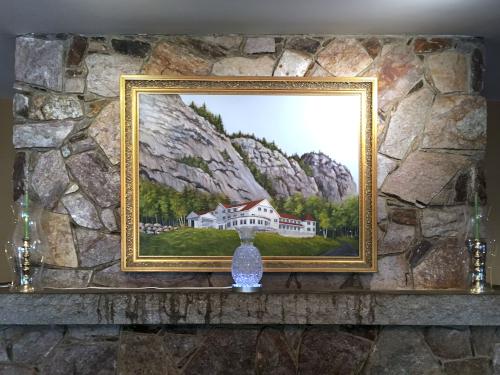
77,50
180,343
12,369
131,47
226,351
401,350
423,45
449,342
157,306
273,355
470,366
304,44
142,354
81,358
330,351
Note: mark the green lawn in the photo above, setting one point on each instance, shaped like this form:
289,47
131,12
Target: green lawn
189,241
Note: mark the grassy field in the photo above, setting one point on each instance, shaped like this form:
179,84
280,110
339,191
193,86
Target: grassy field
189,241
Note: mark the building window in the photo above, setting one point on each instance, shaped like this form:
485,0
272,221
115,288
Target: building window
260,209
271,211
275,220
235,222
228,225
265,209
252,221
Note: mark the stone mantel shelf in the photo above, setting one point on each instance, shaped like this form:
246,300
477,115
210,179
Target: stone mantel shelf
223,307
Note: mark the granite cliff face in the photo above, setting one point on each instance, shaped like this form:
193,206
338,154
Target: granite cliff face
179,148
333,179
286,174
170,131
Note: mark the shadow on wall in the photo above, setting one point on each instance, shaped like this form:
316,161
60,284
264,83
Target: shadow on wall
6,160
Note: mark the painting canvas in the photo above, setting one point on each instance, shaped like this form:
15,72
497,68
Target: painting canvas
286,163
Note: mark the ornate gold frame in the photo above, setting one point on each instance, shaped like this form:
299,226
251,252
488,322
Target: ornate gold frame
132,85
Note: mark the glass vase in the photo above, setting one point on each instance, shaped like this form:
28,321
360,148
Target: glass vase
27,246
247,268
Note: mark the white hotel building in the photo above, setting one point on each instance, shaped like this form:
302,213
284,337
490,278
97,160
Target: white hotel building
258,213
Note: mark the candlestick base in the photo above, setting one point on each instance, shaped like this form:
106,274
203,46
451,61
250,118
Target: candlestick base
478,250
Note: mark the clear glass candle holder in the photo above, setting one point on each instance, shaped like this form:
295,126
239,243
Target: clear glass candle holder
247,268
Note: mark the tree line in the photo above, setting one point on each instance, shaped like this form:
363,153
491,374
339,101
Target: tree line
165,205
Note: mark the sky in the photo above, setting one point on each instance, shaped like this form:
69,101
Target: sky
296,123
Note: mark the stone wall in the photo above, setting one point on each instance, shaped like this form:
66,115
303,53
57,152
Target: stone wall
249,350
431,132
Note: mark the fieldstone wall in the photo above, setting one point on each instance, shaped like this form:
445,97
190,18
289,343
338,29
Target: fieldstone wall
249,350
431,133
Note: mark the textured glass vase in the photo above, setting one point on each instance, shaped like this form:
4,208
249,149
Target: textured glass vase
247,267
27,246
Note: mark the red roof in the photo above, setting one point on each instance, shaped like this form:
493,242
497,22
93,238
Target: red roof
202,212
246,205
288,216
309,217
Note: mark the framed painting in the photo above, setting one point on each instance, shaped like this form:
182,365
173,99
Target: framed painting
292,157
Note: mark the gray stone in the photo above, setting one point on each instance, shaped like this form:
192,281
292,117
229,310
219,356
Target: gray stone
96,178
404,216
20,104
449,71
31,345
228,42
446,265
292,64
443,221
142,354
225,349
104,72
314,281
450,343
82,211
43,135
401,350
61,108
40,62
77,145
242,66
222,307
114,277
397,239
109,220
61,248
77,50
397,70
423,175
407,123
260,45
344,57
72,188
272,353
385,166
74,85
381,209
97,248
105,129
393,273
330,351
457,122
176,59
50,179
64,278
83,358
469,366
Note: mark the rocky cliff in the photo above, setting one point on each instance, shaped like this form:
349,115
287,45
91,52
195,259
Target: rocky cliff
170,132
333,179
179,148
